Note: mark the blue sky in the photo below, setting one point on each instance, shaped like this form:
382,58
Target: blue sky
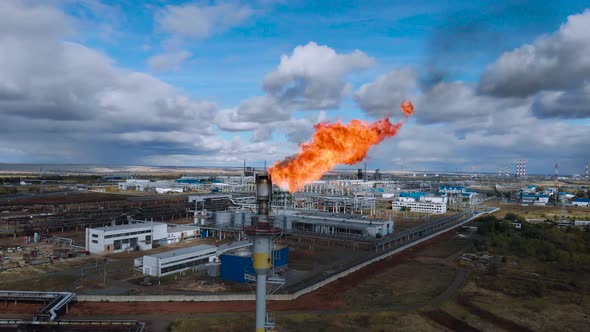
215,82
229,66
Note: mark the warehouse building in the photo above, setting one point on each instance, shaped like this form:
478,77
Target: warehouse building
113,239
140,236
337,224
179,233
581,202
134,184
446,190
175,261
535,199
421,203
183,259
342,227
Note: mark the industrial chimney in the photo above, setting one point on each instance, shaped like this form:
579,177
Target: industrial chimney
263,234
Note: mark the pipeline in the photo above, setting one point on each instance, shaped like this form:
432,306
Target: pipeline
59,299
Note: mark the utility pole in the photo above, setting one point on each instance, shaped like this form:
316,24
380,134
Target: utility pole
557,182
104,273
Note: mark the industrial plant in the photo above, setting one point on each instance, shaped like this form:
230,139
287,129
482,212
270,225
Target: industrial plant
238,237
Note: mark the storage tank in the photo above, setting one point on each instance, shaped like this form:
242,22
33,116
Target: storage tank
235,266
213,269
223,218
243,218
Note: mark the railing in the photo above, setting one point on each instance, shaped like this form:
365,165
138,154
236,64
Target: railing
357,238
58,300
437,224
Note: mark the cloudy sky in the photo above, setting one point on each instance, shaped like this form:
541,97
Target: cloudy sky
215,82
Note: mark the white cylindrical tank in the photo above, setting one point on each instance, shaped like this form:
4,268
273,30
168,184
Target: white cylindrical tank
223,218
243,218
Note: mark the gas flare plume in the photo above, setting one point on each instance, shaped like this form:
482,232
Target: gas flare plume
407,107
333,144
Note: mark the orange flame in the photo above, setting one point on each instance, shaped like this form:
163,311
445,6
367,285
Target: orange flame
407,107
332,144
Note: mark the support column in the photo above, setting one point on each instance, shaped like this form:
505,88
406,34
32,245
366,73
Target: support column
260,305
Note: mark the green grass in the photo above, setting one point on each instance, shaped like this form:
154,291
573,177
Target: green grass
403,285
443,249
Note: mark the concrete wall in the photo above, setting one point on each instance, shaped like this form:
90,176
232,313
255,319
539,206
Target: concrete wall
165,298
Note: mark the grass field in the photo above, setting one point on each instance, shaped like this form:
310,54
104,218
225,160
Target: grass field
402,286
55,283
445,248
540,212
551,311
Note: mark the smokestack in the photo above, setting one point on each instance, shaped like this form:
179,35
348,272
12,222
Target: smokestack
263,234
557,179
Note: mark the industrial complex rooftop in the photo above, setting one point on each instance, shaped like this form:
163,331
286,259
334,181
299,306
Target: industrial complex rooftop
184,251
139,224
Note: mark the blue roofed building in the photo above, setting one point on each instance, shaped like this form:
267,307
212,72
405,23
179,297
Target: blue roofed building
445,190
581,201
415,195
187,180
535,199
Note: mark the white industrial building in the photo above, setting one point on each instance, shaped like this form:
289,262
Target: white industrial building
134,184
535,199
113,239
168,190
179,260
581,202
446,190
160,187
339,225
178,233
424,204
